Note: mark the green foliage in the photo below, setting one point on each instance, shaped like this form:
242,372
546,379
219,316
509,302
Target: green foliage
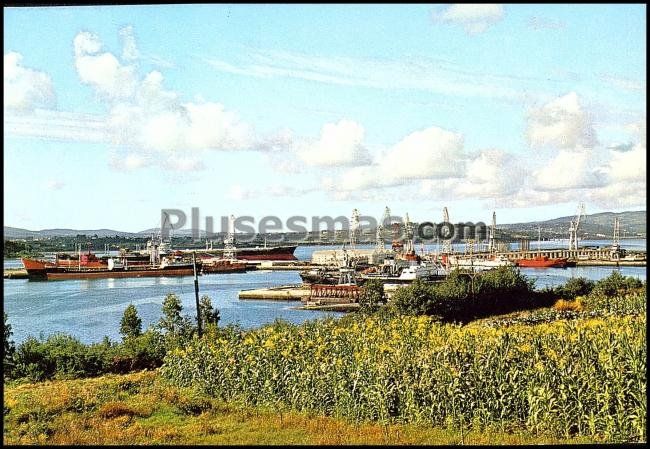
143,351
575,287
210,316
616,283
418,298
9,348
131,324
178,329
60,355
543,378
372,296
461,297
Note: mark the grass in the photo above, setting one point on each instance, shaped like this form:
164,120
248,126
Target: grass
141,408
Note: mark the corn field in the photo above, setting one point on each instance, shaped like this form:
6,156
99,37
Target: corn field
568,377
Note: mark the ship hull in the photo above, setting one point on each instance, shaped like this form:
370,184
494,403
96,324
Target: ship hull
107,274
272,253
224,267
542,263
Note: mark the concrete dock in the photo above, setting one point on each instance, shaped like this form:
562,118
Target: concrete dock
281,293
15,273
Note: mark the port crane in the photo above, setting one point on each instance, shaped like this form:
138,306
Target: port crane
446,243
408,229
492,245
385,221
229,250
573,228
616,243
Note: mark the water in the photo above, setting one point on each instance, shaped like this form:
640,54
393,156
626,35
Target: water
91,309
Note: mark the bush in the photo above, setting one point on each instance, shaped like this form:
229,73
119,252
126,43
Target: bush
61,356
418,298
575,287
372,296
145,351
616,283
131,324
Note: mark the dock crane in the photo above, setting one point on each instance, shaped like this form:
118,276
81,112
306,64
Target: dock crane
616,242
573,228
492,245
446,243
354,226
385,221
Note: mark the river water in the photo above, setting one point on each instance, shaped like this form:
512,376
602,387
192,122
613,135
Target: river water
92,309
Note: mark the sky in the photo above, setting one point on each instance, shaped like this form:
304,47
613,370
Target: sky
112,113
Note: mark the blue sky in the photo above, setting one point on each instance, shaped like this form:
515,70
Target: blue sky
113,113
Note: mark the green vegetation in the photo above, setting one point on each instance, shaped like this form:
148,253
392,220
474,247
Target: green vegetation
131,324
372,296
62,356
545,378
572,372
462,297
142,408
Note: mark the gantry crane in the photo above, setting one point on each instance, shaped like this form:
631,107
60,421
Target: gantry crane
574,226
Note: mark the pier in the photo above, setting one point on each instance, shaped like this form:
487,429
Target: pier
15,273
582,256
282,293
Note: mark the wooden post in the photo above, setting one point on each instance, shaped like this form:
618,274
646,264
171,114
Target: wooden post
196,294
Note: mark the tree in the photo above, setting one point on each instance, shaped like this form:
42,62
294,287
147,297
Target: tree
372,296
8,359
209,315
131,324
419,298
171,320
179,329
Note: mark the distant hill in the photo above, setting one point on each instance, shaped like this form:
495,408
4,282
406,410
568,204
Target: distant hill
19,233
601,225
632,224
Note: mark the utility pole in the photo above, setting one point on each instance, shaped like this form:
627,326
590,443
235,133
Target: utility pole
196,294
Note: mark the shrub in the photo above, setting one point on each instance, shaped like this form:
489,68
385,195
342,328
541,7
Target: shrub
574,287
563,305
131,324
372,296
418,298
615,283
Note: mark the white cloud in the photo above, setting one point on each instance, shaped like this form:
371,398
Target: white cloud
630,165
430,75
474,17
544,23
623,83
103,71
129,48
340,144
57,125
430,153
239,193
569,170
25,89
562,123
55,184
